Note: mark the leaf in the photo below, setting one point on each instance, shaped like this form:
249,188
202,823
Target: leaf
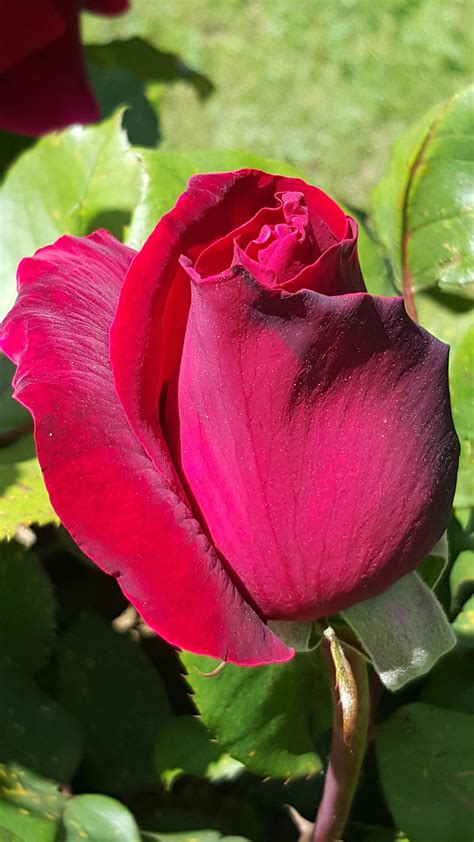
449,685
68,183
432,567
97,818
146,63
423,215
35,731
403,630
371,256
9,836
422,208
167,174
464,497
26,608
184,746
14,418
464,622
23,496
462,385
461,380
266,717
461,579
107,683
30,806
451,319
424,760
373,265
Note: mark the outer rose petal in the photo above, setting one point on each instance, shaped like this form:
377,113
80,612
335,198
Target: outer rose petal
124,514
317,440
49,89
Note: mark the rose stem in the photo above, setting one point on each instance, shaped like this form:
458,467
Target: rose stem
345,761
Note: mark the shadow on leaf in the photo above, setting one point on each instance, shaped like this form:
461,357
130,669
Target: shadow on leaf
120,72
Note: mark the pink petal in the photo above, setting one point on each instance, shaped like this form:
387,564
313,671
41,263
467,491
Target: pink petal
129,517
316,440
49,89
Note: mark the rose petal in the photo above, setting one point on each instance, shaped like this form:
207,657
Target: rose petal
49,89
107,7
325,425
129,518
27,26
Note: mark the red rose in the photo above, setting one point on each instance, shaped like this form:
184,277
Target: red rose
227,421
43,80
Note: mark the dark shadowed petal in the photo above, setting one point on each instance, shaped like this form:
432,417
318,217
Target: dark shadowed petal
48,89
26,26
325,425
107,7
128,516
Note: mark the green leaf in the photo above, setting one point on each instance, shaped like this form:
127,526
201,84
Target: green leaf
451,319
147,63
422,207
168,174
184,746
30,806
68,183
432,567
464,497
23,496
462,385
373,265
8,835
449,685
14,418
403,630
464,622
461,579
98,818
266,717
111,688
371,256
424,755
35,731
26,608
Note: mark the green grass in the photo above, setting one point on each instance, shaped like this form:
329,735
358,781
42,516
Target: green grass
325,85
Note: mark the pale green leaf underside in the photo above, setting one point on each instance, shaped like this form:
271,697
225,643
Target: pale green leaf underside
404,630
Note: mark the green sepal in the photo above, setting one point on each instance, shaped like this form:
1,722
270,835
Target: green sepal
404,630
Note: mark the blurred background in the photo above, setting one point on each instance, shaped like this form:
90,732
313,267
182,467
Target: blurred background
327,86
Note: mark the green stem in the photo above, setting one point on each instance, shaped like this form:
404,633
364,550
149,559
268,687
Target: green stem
346,757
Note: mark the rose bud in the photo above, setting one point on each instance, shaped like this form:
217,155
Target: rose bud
43,80
227,421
